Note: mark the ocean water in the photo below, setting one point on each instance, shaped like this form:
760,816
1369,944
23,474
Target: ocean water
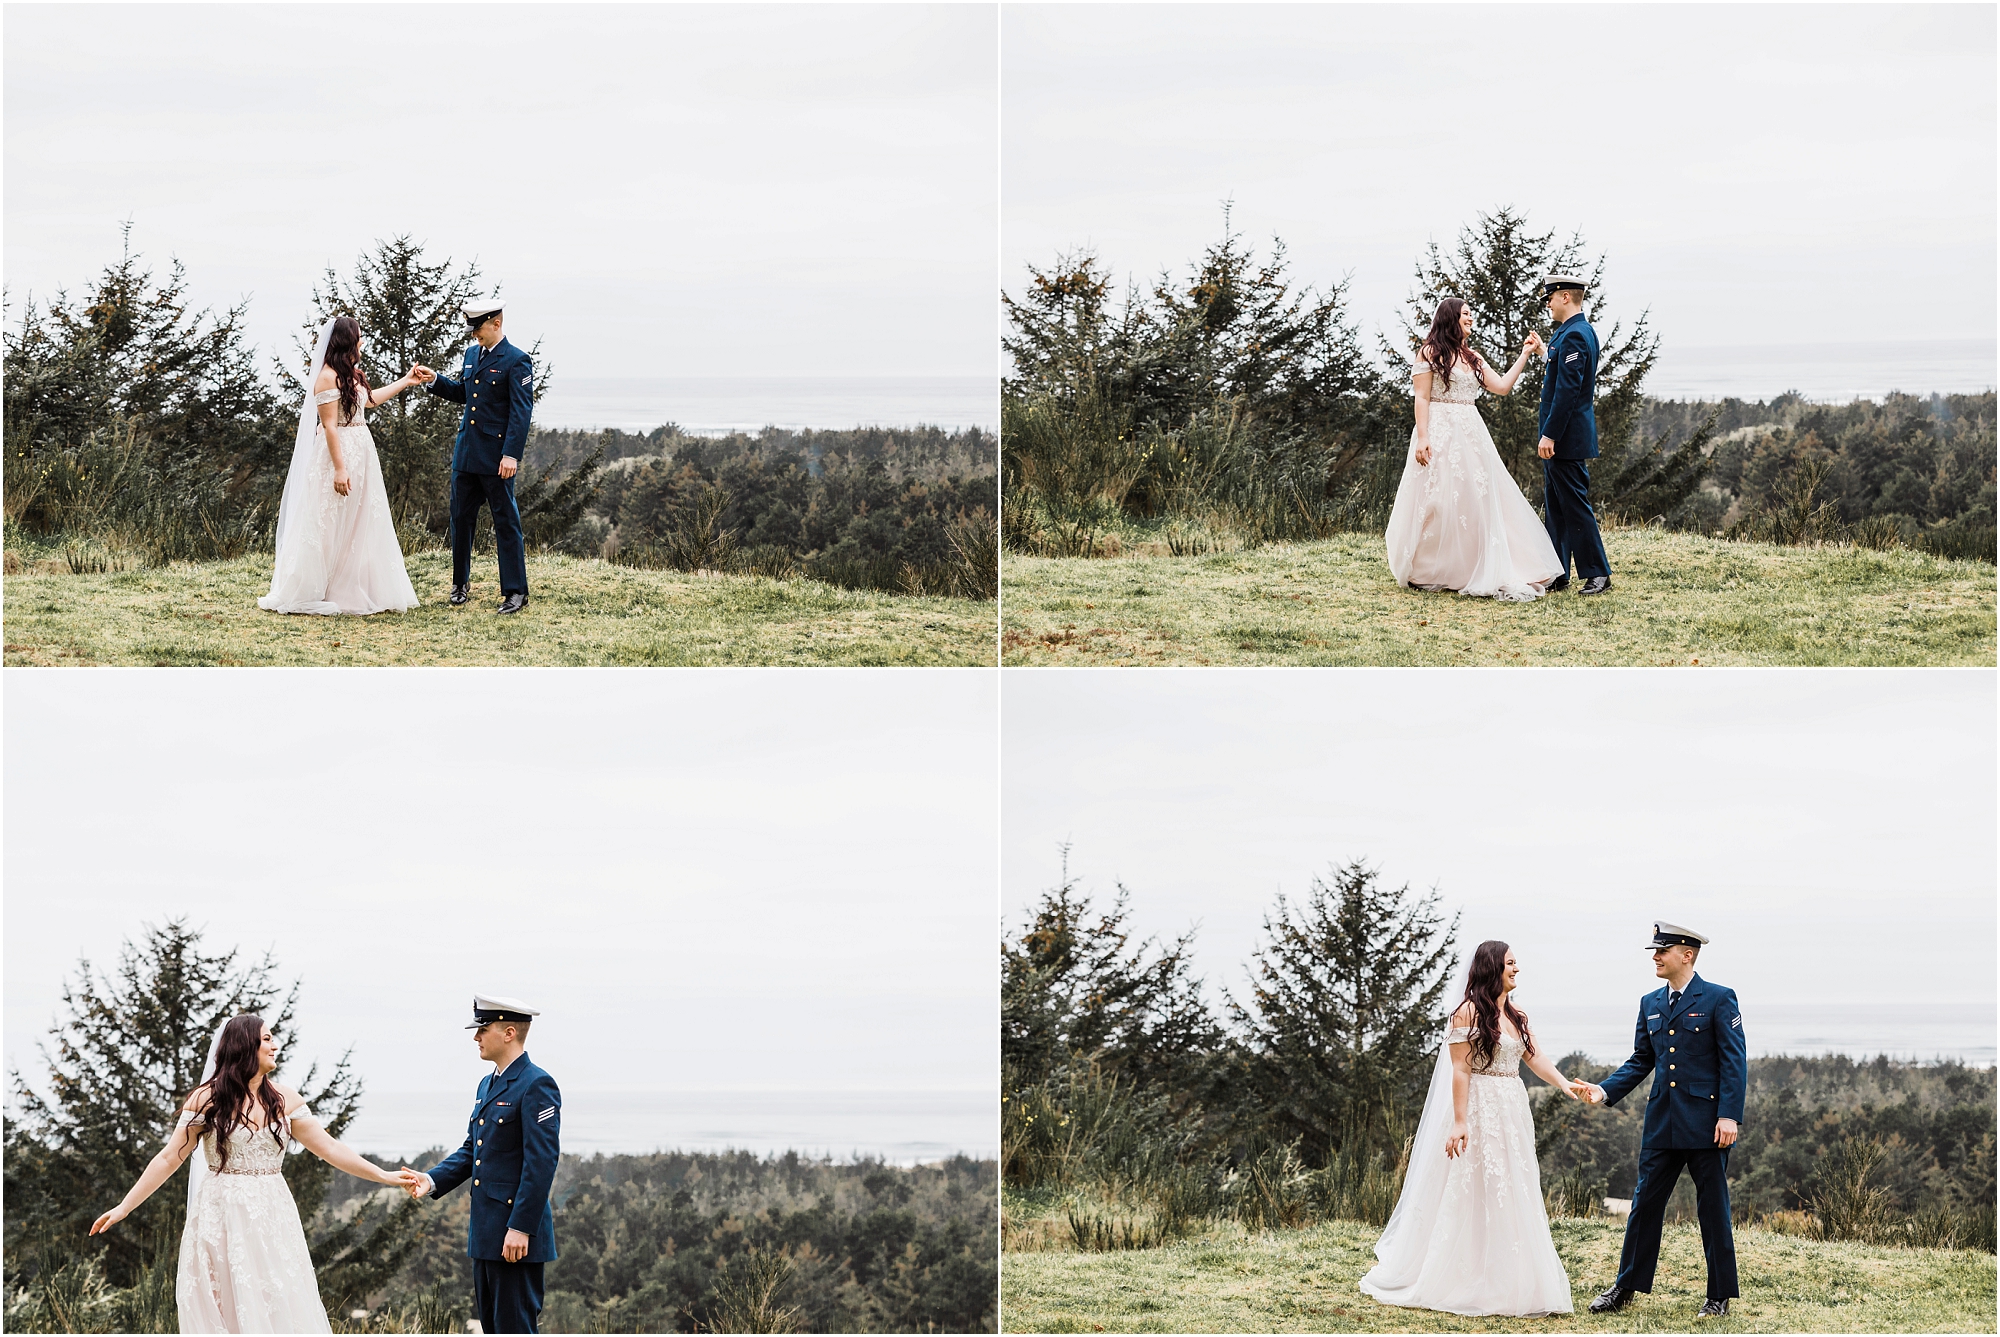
713,405
1921,1031
903,1127
1831,373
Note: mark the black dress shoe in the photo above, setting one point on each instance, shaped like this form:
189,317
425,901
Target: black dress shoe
1596,585
1617,1297
1713,1309
513,603
460,594
1559,583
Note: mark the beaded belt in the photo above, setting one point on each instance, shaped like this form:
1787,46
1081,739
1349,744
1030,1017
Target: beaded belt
1476,1073
250,1172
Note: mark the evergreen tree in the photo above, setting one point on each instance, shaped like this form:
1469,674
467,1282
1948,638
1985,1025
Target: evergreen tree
1075,987
1346,1011
129,1052
1497,267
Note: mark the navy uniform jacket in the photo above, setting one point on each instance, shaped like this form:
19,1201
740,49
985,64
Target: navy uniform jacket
498,391
512,1142
1699,1061
1568,414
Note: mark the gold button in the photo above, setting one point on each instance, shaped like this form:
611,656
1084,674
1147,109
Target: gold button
1670,1049
475,1183
1669,1032
1669,1084
475,1141
482,1123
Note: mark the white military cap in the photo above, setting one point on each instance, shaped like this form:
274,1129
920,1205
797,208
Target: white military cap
489,1008
1556,282
479,308
1673,935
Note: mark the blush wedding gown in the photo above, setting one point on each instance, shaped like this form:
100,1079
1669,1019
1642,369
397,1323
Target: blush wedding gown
1461,523
338,554
1470,1234
244,1265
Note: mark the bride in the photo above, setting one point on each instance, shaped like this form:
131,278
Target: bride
337,546
1460,521
1469,1234
244,1265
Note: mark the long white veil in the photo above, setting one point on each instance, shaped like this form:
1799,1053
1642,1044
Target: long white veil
198,1167
298,577
1400,1251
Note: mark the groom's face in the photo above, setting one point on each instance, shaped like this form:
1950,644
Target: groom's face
493,1040
1668,961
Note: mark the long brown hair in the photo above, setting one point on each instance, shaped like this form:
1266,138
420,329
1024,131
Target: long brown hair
343,354
1486,992
229,1093
1447,341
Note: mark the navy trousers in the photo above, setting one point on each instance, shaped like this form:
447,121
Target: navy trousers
468,493
1572,525
508,1296
1659,1170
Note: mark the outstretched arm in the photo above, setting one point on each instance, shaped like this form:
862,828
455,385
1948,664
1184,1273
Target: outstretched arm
1502,383
307,1131
1635,1069
394,388
444,387
1540,1065
183,1140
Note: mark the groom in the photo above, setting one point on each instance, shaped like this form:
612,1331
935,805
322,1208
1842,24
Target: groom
497,387
1690,1037
512,1143
1568,422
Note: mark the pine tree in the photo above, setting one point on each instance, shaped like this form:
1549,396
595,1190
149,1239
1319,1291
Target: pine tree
1346,1010
124,1059
1497,267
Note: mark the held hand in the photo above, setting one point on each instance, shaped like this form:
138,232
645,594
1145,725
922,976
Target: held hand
1546,448
421,374
1725,1132
1577,1091
413,1182
508,464
516,1247
341,482
1454,1144
1534,343
108,1220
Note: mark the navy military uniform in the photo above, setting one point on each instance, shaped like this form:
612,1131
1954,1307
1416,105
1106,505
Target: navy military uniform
513,1141
497,387
1695,1050
1568,417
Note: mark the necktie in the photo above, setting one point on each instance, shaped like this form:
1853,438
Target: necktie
1673,1000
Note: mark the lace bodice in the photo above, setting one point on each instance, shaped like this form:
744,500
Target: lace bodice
1506,1054
329,396
252,1151
1464,387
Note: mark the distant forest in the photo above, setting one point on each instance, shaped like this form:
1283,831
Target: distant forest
688,1242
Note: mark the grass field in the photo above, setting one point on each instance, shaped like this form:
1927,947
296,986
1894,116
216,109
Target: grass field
1675,599
1306,1281
580,612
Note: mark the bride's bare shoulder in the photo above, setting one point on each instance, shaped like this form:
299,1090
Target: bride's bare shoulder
1424,355
1466,1014
198,1100
327,380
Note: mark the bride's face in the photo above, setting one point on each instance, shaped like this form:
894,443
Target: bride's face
1465,321
267,1051
1508,972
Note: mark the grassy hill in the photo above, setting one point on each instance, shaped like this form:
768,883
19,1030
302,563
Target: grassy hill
581,612
1305,1281
1677,598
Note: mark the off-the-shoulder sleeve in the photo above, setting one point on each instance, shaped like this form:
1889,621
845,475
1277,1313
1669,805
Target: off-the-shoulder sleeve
326,396
302,1112
1458,1035
190,1119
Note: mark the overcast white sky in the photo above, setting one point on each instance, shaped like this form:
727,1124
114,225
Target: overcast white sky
705,879
663,190
1757,174
1831,831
